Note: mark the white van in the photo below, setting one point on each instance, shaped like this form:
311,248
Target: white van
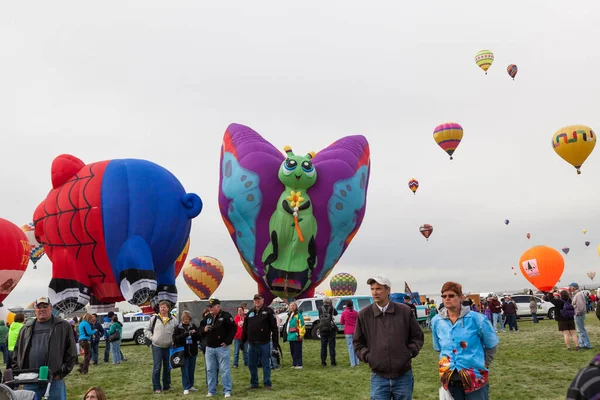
133,325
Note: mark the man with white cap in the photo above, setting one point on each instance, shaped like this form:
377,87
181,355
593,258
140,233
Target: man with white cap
580,305
47,341
388,337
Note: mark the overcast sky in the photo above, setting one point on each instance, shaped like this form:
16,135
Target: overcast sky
162,80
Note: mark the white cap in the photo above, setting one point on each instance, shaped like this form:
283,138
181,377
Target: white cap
381,279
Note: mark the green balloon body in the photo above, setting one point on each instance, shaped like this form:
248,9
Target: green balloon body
290,256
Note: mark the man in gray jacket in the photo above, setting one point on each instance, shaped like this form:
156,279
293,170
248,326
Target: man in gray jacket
160,331
580,305
46,341
388,337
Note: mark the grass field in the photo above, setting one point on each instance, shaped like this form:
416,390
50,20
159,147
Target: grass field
530,364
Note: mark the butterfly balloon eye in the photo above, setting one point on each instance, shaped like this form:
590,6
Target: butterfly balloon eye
308,168
289,166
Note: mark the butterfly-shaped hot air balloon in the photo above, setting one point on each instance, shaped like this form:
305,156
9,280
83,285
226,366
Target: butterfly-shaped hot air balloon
484,59
413,185
587,243
426,230
37,249
528,236
574,144
591,275
512,70
448,136
203,276
565,250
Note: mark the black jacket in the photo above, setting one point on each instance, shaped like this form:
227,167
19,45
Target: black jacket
180,334
260,327
62,352
223,329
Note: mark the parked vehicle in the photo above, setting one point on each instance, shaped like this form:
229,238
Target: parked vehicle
545,308
310,311
133,325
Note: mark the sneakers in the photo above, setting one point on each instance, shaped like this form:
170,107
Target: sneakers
227,395
299,367
157,391
186,391
193,389
209,394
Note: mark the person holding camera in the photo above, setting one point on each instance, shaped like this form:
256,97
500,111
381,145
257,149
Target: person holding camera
187,335
218,329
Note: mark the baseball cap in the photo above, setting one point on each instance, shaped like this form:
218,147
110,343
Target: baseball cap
381,279
258,296
43,300
213,302
574,284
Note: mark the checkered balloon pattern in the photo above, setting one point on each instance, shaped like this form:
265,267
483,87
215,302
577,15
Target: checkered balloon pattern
343,284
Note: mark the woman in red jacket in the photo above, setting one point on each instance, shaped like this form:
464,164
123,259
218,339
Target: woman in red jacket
349,317
237,339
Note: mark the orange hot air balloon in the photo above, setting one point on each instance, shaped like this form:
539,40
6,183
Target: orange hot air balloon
542,266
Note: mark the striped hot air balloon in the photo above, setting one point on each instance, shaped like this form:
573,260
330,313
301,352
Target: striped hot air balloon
203,276
426,230
448,136
343,284
413,185
484,59
180,262
512,70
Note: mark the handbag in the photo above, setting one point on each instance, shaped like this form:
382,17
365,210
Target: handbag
113,337
176,357
445,394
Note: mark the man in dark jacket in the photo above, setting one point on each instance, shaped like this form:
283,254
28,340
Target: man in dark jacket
388,337
496,310
259,329
328,331
510,311
46,341
95,341
218,329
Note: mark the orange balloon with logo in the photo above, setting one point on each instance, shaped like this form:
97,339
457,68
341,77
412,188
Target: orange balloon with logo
542,266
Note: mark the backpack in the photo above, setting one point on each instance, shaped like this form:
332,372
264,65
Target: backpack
326,320
568,311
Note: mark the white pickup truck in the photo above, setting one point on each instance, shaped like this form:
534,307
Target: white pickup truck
133,325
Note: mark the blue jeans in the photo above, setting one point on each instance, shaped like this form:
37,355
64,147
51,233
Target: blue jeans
4,351
160,357
58,390
495,318
187,372
106,350
584,339
260,351
400,388
296,351
237,346
353,359
217,359
95,351
535,318
115,350
459,393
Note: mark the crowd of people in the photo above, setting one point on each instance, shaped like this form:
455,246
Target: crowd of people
386,336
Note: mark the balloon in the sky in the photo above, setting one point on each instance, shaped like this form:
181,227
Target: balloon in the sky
413,185
565,250
343,284
587,243
291,216
448,136
203,276
528,236
512,70
37,249
542,266
113,229
584,231
599,249
426,230
574,143
591,275
506,221
328,292
484,59
14,256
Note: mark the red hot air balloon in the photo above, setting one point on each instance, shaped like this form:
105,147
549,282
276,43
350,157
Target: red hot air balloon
14,254
426,230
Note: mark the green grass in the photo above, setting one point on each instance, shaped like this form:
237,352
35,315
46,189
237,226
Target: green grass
530,364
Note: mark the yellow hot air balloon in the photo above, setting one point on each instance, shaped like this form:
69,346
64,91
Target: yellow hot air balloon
328,292
203,276
574,143
484,59
584,231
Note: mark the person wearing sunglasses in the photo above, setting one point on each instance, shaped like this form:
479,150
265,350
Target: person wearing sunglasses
466,342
